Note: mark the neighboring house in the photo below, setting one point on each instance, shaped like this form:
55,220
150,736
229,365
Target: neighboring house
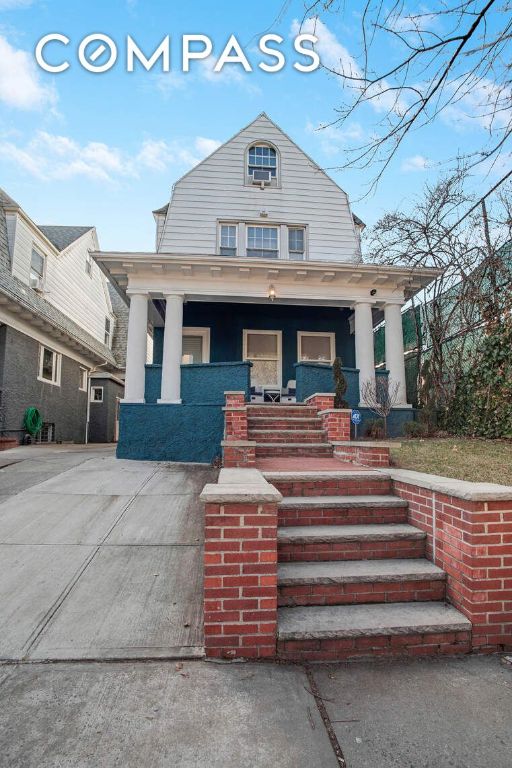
57,328
458,318
256,284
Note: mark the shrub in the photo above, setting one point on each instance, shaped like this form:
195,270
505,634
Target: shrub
340,384
374,428
414,429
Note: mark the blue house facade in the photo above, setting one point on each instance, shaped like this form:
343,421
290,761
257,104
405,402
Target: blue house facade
256,285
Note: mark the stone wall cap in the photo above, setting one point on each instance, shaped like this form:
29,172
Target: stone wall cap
240,485
449,486
367,443
319,394
235,408
235,392
335,410
238,443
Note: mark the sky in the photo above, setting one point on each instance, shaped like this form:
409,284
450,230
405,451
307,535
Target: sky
83,148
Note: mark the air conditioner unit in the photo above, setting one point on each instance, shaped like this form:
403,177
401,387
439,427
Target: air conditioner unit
261,176
37,284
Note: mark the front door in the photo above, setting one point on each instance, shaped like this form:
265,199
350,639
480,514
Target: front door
264,350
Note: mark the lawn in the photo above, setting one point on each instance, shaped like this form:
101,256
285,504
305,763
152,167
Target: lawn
466,459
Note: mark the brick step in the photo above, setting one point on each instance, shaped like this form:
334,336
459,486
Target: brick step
278,411
344,632
341,510
293,422
330,483
349,542
288,435
293,449
359,581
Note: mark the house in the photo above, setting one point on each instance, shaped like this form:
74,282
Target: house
256,284
58,328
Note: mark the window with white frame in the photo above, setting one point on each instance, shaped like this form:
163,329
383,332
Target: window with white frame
49,365
262,164
296,242
108,332
37,268
228,237
88,264
96,394
264,350
82,379
195,346
316,347
263,242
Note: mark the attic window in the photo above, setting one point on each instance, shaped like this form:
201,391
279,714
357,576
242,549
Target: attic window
262,165
88,264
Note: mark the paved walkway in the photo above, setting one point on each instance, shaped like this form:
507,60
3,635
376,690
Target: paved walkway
102,559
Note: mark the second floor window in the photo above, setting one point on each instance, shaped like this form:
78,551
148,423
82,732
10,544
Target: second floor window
108,331
88,264
263,242
228,239
36,270
296,243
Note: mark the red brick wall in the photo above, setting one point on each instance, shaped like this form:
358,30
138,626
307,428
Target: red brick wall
365,455
238,455
321,401
235,416
337,424
240,580
472,542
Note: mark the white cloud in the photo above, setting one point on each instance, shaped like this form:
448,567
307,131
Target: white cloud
481,103
414,163
8,5
230,74
335,57
169,82
51,157
20,83
334,140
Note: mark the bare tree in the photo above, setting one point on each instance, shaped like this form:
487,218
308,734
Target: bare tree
450,56
468,294
380,396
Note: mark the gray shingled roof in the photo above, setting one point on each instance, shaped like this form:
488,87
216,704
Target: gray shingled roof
5,260
61,237
5,199
119,341
163,209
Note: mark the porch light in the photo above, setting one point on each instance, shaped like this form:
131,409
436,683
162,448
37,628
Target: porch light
271,292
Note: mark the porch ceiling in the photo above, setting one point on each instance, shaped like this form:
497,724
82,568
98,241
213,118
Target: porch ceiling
216,278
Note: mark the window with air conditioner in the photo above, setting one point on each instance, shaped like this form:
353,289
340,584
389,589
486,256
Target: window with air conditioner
263,242
296,243
228,237
262,165
37,269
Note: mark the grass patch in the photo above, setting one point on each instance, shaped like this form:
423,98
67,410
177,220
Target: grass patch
480,461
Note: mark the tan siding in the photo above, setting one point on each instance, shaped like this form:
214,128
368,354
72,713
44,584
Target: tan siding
215,190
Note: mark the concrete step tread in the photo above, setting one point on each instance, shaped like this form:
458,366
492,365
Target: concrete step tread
293,445
325,474
341,502
358,571
336,533
286,432
336,621
292,419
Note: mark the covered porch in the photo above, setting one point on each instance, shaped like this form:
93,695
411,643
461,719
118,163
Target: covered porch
270,330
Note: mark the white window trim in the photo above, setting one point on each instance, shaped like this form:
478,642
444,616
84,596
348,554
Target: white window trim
306,239
332,342
279,334
89,261
36,248
84,373
276,184
262,226
92,394
221,224
111,331
205,335
57,366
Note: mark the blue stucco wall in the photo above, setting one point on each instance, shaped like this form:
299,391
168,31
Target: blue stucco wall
202,382
396,420
316,377
153,432
227,322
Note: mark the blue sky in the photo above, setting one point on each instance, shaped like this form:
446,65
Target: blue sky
83,148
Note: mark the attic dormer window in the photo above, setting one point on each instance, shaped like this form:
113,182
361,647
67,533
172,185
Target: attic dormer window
262,165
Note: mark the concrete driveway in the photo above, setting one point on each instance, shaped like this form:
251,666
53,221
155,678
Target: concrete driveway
99,558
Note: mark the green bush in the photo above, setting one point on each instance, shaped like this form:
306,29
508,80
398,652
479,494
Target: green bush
414,429
374,428
340,384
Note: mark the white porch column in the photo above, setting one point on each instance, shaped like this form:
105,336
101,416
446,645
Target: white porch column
363,330
136,349
173,343
395,361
